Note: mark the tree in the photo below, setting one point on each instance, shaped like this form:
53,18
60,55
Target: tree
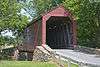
11,18
88,24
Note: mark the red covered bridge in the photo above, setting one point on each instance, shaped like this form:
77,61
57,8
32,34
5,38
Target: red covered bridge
55,28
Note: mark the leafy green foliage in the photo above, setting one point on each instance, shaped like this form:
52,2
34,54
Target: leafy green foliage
11,19
88,24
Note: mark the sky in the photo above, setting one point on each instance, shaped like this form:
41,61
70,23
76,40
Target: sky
7,33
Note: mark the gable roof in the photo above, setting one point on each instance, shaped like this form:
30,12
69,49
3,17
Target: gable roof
53,8
40,17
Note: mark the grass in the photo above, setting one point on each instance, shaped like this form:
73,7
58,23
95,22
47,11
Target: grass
29,64
72,65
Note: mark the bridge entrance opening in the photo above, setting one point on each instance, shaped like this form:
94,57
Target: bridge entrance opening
58,32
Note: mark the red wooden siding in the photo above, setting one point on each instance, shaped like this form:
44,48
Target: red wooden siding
60,11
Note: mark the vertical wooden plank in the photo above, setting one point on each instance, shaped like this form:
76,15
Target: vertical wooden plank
39,32
43,31
74,34
35,34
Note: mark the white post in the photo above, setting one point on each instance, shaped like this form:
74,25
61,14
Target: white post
60,59
69,63
80,65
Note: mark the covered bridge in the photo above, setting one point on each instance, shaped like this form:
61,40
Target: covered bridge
55,28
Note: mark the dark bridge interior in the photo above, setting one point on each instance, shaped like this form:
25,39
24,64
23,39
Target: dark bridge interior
58,31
